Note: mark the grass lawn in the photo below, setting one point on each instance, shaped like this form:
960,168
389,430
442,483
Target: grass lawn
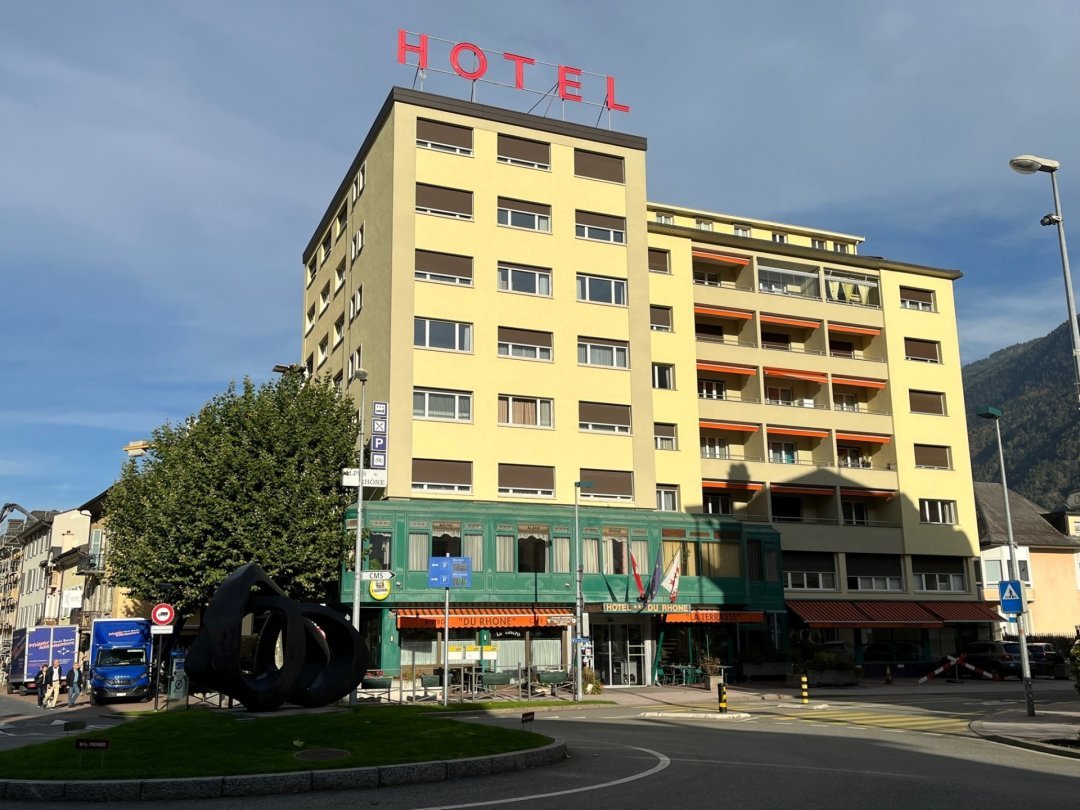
202,742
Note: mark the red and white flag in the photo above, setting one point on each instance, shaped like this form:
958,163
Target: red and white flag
637,577
670,582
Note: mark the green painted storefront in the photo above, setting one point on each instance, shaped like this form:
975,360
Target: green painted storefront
521,600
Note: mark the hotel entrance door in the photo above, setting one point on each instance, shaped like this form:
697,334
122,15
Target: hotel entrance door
620,653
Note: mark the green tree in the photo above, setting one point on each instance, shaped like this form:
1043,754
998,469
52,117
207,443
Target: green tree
255,476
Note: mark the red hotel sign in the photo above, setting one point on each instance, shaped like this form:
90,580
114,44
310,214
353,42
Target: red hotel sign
568,80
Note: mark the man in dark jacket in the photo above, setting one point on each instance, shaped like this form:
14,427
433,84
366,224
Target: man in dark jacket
75,683
39,684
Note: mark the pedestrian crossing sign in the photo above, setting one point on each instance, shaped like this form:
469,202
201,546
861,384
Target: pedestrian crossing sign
1011,599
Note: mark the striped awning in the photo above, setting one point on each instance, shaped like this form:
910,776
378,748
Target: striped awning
869,438
796,374
889,614
963,612
716,617
722,258
857,382
897,614
725,368
738,486
851,329
714,424
855,492
788,489
786,431
485,617
722,312
826,613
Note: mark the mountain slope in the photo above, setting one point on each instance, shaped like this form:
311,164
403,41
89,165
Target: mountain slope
1034,384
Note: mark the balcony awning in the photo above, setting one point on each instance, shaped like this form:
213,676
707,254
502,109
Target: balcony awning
726,368
716,617
869,438
857,382
738,486
897,615
787,489
795,374
855,492
785,321
854,330
963,612
432,617
785,431
742,427
826,613
722,312
722,258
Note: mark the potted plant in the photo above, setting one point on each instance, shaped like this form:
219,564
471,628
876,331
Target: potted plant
826,668
711,672
590,682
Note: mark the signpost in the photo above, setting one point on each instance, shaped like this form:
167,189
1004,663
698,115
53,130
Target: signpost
446,573
1011,592
376,576
163,613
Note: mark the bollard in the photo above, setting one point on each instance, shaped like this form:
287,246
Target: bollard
805,690
721,694
888,674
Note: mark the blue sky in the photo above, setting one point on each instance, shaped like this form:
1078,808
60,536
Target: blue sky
162,165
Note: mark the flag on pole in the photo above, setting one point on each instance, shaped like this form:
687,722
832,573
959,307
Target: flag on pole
670,582
657,574
637,577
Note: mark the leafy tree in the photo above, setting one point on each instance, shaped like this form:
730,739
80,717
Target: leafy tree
255,476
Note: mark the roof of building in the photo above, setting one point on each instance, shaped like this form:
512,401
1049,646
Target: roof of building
1029,527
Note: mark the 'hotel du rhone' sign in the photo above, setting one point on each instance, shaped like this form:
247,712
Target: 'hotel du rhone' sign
505,69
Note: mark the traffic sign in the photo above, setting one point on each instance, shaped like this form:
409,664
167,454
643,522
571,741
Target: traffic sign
580,640
378,426
376,576
449,572
163,613
1012,596
380,409
379,444
160,629
377,461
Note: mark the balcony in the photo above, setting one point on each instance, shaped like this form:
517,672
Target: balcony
91,564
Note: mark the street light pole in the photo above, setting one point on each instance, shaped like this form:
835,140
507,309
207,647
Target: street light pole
578,596
1029,164
358,547
1014,566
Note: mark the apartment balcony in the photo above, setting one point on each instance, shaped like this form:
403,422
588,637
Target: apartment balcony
882,537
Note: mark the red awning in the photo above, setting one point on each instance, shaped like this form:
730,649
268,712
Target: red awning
794,374
713,424
738,486
816,434
853,330
855,492
826,613
869,438
786,321
897,615
709,256
725,368
786,489
857,382
722,312
485,617
716,617
963,612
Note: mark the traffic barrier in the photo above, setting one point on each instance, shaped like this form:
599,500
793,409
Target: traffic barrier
805,687
721,694
959,662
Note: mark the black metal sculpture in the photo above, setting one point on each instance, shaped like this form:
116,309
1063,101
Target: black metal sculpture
321,657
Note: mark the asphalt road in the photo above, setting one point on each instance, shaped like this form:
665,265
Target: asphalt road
789,758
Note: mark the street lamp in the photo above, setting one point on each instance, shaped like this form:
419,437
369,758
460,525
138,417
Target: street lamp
1029,164
578,607
358,549
1014,568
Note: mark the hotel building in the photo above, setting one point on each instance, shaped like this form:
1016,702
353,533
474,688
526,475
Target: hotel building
704,387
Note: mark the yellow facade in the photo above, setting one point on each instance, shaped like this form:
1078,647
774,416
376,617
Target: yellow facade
818,336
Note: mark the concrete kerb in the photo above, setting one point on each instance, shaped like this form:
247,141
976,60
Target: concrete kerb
1034,745
275,783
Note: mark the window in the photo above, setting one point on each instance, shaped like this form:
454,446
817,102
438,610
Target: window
703,224
934,511
714,447
358,182
357,243
854,513
601,352
665,219
707,279
665,436
342,220
312,271
607,485
599,417
782,452
337,381
324,346
446,268
525,411
433,475
845,402
778,396
925,351
447,202
851,288
597,166
524,480
309,365
776,340
785,281
711,389
443,137
938,573
445,539
840,247
991,571
601,290
521,278
523,152
309,320
524,344
874,572
434,334
339,330
810,571
659,261
911,298
779,238
324,298
339,276
324,252
354,361
435,403
926,402
532,548
850,456
600,227
529,216
660,319
667,498
933,456
818,244
356,303
663,376
786,509
841,348
742,230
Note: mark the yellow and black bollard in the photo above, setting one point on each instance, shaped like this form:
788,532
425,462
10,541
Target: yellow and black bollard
805,690
721,694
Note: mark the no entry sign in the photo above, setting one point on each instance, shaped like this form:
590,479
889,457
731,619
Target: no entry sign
163,613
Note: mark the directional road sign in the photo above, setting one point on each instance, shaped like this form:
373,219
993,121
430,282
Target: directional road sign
449,572
376,576
1012,596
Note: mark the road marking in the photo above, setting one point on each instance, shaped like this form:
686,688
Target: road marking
662,763
889,721
816,768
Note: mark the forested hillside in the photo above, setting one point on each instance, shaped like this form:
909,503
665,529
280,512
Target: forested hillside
1034,384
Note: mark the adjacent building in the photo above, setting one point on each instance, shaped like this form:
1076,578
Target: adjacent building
560,358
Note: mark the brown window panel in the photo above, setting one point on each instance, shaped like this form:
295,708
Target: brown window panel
598,166
660,316
926,401
932,455
434,471
524,337
609,482
444,264
913,294
526,476
600,221
523,205
438,132
524,149
922,349
663,429
440,198
659,261
873,565
604,413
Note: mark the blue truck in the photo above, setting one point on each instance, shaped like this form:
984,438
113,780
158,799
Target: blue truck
33,646
121,657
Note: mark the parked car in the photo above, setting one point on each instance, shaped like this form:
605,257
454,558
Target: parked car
1001,658
1046,660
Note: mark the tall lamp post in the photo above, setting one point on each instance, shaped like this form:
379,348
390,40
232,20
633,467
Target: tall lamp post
358,547
578,571
1014,568
1029,164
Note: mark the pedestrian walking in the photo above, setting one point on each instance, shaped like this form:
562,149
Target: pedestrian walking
75,681
54,677
39,685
